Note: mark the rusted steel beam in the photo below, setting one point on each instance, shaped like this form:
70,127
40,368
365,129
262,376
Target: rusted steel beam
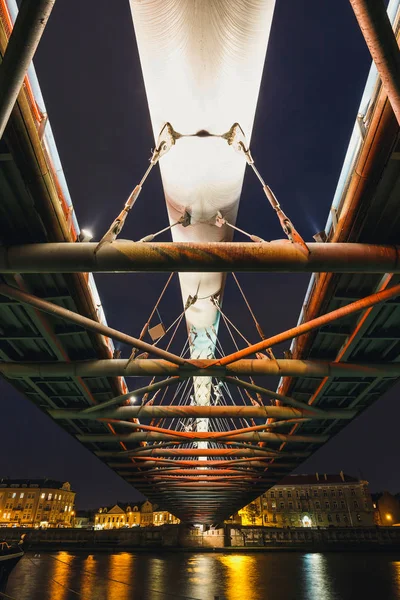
24,39
160,437
88,324
271,394
344,311
203,368
382,44
125,256
344,350
206,452
209,412
145,463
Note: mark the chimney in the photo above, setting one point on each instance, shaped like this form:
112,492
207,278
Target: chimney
326,479
341,475
317,476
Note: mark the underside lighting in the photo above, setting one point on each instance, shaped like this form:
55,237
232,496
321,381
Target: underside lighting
132,400
85,235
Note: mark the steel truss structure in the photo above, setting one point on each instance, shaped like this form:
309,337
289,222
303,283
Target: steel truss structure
203,459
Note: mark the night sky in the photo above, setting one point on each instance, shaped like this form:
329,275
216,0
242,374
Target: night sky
90,76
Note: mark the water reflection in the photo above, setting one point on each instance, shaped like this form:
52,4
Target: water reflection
177,575
240,571
317,579
60,576
119,576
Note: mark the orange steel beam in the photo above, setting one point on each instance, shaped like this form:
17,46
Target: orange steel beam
212,257
155,451
382,44
344,311
86,323
344,349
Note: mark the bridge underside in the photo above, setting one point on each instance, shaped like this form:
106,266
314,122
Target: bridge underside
59,353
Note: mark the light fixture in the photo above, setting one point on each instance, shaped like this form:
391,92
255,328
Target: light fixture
85,235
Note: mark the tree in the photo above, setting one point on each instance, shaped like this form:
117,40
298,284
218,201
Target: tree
252,512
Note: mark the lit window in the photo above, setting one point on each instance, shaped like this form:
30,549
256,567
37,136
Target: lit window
43,495
21,495
65,508
4,515
14,494
50,496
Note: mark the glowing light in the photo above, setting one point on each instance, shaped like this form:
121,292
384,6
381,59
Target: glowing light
306,521
389,516
85,235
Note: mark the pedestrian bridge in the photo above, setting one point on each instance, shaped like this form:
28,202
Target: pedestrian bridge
195,429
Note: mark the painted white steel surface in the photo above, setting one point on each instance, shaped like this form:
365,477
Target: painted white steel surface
202,63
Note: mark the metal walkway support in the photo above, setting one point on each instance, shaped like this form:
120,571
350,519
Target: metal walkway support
25,37
381,41
204,368
213,257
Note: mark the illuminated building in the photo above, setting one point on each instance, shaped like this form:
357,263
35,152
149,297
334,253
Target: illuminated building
163,517
318,500
387,509
36,503
142,514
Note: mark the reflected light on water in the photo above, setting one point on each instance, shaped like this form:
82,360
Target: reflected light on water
60,576
317,579
119,575
89,577
396,578
239,576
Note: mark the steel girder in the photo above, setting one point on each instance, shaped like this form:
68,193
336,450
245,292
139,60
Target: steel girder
127,256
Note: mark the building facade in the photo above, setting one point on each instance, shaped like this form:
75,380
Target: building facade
36,503
318,500
387,509
137,515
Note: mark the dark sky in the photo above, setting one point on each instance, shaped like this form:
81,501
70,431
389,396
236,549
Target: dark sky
91,80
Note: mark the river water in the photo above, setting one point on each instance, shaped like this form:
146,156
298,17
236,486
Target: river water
195,576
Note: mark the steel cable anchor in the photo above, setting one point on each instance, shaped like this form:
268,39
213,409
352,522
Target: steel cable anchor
165,141
237,139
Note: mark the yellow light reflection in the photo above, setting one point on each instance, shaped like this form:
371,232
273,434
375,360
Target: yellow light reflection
241,570
60,576
120,576
91,578
396,578
317,577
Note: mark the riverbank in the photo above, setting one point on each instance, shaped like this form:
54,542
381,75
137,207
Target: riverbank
229,538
